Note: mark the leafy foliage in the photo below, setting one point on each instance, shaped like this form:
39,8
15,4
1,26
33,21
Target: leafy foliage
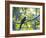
30,13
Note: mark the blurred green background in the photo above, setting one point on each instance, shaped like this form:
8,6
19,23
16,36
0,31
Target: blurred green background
32,18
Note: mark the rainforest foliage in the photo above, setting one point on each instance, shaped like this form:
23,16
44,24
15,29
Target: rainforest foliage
32,21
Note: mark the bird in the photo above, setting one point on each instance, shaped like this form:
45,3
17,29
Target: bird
22,22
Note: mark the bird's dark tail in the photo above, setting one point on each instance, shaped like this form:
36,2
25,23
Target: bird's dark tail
20,26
